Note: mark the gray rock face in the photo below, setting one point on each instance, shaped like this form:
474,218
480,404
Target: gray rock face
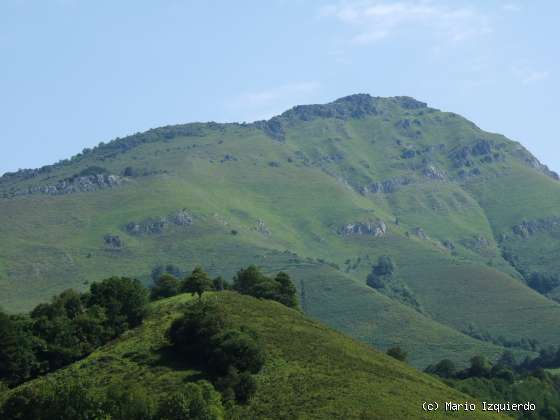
181,218
387,186
79,184
154,226
448,244
113,241
482,147
476,243
419,232
262,228
375,228
433,172
528,228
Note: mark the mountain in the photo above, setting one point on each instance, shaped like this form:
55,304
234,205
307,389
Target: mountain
457,229
311,371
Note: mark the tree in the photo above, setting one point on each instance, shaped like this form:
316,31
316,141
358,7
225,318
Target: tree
480,367
444,369
17,350
197,283
381,272
160,270
397,353
237,349
125,301
191,334
251,281
218,284
246,279
288,292
385,266
164,287
507,359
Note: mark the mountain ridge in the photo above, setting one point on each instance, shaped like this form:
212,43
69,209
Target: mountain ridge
342,185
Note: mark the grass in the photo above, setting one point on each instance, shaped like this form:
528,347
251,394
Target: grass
309,192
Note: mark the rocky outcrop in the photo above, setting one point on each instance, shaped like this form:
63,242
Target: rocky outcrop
483,151
407,102
476,243
419,232
376,228
74,185
482,147
154,226
387,186
448,244
228,158
533,162
262,228
528,228
434,173
113,241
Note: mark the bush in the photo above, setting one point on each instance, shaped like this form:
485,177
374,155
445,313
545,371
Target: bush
164,287
444,369
238,386
124,402
230,355
171,269
251,281
69,399
198,401
124,300
18,361
235,349
218,284
397,353
480,367
191,333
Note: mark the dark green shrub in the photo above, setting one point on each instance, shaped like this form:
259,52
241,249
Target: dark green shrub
125,301
237,349
397,353
164,287
198,401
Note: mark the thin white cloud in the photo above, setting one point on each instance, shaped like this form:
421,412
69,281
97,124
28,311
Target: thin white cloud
529,76
512,7
375,20
266,103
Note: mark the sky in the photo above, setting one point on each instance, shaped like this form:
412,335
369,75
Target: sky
74,73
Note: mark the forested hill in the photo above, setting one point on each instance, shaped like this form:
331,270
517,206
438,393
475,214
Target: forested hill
401,224
309,371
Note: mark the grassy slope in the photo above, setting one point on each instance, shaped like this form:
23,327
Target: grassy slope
304,188
311,371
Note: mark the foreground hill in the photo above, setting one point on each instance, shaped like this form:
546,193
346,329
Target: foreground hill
467,218
311,371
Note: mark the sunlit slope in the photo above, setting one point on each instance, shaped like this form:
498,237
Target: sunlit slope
311,371
338,185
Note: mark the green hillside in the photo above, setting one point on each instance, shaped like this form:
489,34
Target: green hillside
321,191
310,371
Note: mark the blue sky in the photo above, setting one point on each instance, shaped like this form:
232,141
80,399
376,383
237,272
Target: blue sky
74,73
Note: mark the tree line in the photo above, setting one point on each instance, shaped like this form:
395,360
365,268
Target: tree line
74,324
507,380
